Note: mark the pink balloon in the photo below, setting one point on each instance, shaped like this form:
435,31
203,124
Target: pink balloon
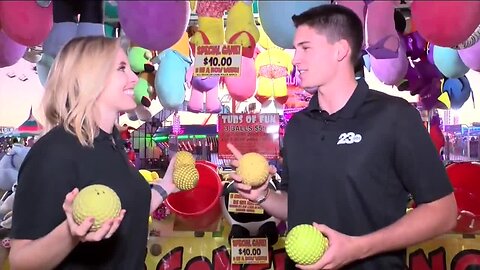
243,87
25,21
471,56
10,51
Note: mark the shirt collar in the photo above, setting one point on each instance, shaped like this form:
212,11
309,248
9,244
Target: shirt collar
353,104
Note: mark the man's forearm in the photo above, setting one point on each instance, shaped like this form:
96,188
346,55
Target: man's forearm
276,204
424,222
44,253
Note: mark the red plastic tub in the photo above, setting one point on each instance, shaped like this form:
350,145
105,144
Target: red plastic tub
199,207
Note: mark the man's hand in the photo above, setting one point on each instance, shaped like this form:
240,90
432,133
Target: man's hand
246,191
342,250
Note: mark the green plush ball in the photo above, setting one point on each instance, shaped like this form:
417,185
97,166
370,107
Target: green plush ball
305,245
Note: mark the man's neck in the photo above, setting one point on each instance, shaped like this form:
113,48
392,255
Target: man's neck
333,96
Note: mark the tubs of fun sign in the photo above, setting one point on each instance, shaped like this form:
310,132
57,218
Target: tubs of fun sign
249,133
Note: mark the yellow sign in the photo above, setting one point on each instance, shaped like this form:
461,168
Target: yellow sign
447,252
238,204
249,250
218,60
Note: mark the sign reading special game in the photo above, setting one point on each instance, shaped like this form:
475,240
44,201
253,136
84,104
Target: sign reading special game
249,251
249,133
218,60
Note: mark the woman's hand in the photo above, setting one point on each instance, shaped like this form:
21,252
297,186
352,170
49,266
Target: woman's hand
81,231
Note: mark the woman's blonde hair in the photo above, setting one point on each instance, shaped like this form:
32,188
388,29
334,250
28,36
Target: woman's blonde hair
76,79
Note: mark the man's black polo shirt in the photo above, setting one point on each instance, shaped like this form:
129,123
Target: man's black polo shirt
353,170
55,165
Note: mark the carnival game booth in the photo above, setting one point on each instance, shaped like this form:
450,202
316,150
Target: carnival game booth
186,52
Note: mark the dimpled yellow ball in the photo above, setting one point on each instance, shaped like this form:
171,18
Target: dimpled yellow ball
186,177
97,201
253,169
305,245
184,158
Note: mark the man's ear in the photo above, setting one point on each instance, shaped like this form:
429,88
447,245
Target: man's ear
343,50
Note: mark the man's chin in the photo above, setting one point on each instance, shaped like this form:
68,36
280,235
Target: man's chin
310,89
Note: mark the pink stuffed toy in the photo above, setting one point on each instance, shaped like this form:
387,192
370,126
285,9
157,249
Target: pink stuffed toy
243,87
203,88
382,42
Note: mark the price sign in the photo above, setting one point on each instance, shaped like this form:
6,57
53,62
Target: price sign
218,60
238,204
249,251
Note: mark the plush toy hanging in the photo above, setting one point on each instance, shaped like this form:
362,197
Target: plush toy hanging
446,23
66,26
240,25
71,19
171,75
448,61
154,25
459,91
273,66
471,55
203,88
140,62
382,41
26,22
10,51
276,17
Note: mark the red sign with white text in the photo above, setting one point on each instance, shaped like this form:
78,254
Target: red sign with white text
249,133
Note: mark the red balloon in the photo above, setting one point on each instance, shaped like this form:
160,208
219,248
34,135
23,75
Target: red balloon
465,179
446,23
25,21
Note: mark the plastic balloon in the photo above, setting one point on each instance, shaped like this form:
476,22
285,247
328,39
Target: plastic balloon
26,22
277,22
10,51
154,25
446,23
471,56
448,61
458,90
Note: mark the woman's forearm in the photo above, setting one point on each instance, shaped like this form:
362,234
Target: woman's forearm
44,253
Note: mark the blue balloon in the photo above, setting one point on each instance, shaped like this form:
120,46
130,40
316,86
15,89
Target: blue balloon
448,61
458,90
276,19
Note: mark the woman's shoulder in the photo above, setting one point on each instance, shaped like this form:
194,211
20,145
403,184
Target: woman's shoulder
56,140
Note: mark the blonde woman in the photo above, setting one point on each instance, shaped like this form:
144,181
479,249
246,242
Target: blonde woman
89,85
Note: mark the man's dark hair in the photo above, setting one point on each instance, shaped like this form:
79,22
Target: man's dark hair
336,22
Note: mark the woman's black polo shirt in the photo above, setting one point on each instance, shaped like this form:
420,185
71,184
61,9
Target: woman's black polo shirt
54,166
354,169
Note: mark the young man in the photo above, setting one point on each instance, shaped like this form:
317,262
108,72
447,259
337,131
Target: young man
353,156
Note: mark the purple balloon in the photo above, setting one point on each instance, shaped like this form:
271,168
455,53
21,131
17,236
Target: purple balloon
204,84
154,25
471,56
10,51
415,44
